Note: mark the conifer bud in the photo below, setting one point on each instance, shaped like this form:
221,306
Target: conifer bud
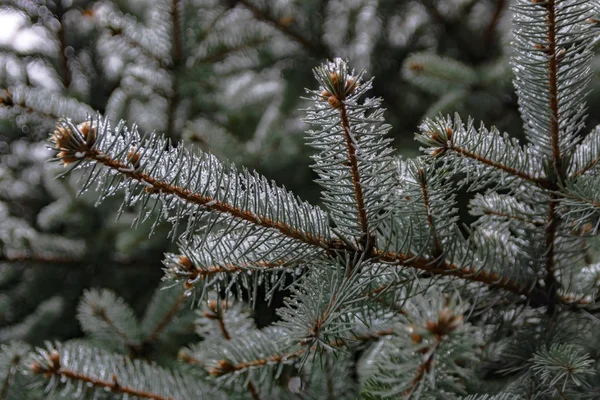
133,157
185,262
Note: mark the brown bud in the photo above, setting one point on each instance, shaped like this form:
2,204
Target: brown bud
416,338
37,368
449,133
351,86
55,359
134,158
89,133
60,137
212,305
286,21
416,67
334,77
187,285
325,94
334,102
184,261
66,157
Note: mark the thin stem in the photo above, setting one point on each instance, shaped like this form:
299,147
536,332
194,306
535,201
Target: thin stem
113,385
102,314
422,370
205,201
553,87
217,314
283,28
510,170
516,218
437,247
225,367
353,161
491,279
167,318
9,374
491,29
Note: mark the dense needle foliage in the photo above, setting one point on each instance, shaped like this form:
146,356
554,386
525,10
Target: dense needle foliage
388,290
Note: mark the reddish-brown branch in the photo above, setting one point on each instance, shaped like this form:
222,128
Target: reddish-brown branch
491,279
56,369
205,201
422,370
225,367
100,312
491,29
553,87
353,161
510,170
283,28
551,284
167,318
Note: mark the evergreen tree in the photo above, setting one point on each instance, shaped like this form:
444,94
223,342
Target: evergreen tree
389,294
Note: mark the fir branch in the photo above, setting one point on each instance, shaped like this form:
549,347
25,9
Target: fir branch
491,279
53,367
161,186
541,182
437,247
316,50
224,367
553,87
215,312
14,362
491,29
352,160
175,308
518,218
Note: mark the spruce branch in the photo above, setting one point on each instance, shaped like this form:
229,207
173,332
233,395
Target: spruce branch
53,367
215,312
316,50
167,318
78,144
437,247
71,366
351,148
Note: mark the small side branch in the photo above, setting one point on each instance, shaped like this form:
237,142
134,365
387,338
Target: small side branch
224,367
543,183
205,201
353,161
55,368
553,87
437,247
491,279
216,313
175,308
260,15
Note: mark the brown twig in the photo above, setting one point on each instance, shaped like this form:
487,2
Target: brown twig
510,170
283,28
56,369
167,318
491,29
491,279
353,161
224,367
205,201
